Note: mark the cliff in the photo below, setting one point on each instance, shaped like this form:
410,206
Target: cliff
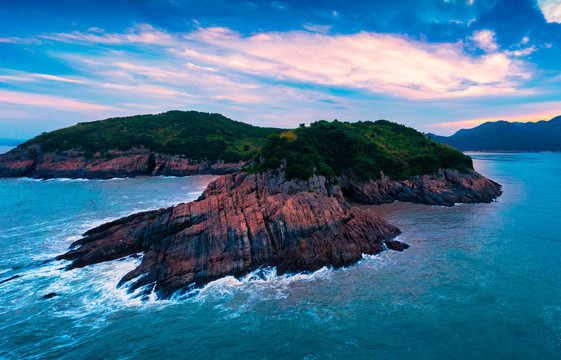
447,187
31,162
174,143
240,223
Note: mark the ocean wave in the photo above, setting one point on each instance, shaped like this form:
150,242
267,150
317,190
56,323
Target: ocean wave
67,179
93,289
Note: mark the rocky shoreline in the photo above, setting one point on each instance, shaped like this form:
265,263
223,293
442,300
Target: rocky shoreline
32,162
240,223
243,222
445,188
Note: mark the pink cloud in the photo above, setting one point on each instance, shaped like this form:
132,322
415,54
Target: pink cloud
20,76
485,39
518,113
551,10
143,33
379,63
59,78
49,101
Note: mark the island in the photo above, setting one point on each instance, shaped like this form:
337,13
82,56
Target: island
289,205
174,143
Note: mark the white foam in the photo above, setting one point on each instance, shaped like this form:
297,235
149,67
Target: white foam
2,271
92,292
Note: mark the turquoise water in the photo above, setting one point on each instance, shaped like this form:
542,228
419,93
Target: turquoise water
479,281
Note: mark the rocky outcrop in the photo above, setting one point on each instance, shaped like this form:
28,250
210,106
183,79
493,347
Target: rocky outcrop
58,166
447,188
240,223
168,165
18,162
32,162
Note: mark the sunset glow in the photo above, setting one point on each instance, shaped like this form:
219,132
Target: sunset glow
455,64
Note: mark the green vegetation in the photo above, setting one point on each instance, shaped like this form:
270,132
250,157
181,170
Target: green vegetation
363,149
196,135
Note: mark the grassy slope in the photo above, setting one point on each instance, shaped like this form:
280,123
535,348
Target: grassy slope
193,134
366,148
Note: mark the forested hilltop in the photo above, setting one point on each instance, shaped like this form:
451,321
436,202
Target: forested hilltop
207,143
197,135
364,149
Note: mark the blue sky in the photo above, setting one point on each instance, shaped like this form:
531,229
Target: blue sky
436,65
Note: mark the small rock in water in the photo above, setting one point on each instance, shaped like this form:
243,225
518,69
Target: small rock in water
11,278
396,245
49,296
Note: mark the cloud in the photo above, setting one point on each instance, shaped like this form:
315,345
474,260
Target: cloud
20,76
551,10
379,63
518,113
267,75
140,34
49,101
386,64
58,78
18,40
485,40
322,29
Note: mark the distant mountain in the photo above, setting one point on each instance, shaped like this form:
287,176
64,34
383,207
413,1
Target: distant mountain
507,136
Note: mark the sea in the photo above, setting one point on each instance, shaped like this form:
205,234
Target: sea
478,282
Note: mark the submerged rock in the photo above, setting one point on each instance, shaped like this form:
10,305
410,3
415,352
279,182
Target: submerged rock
240,223
49,296
10,278
447,188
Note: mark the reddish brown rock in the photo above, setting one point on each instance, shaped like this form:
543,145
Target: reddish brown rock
58,166
240,223
168,165
396,245
112,164
17,163
447,188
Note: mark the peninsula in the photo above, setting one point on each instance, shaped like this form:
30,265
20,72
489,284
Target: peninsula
287,207
175,143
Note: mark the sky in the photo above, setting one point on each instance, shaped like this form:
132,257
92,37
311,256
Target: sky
435,65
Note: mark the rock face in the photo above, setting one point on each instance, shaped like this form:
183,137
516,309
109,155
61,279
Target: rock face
17,163
32,162
445,188
240,223
168,165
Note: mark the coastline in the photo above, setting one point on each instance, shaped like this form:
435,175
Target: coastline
119,164
243,222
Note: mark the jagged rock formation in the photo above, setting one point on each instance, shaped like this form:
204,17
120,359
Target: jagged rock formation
32,162
447,187
240,223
